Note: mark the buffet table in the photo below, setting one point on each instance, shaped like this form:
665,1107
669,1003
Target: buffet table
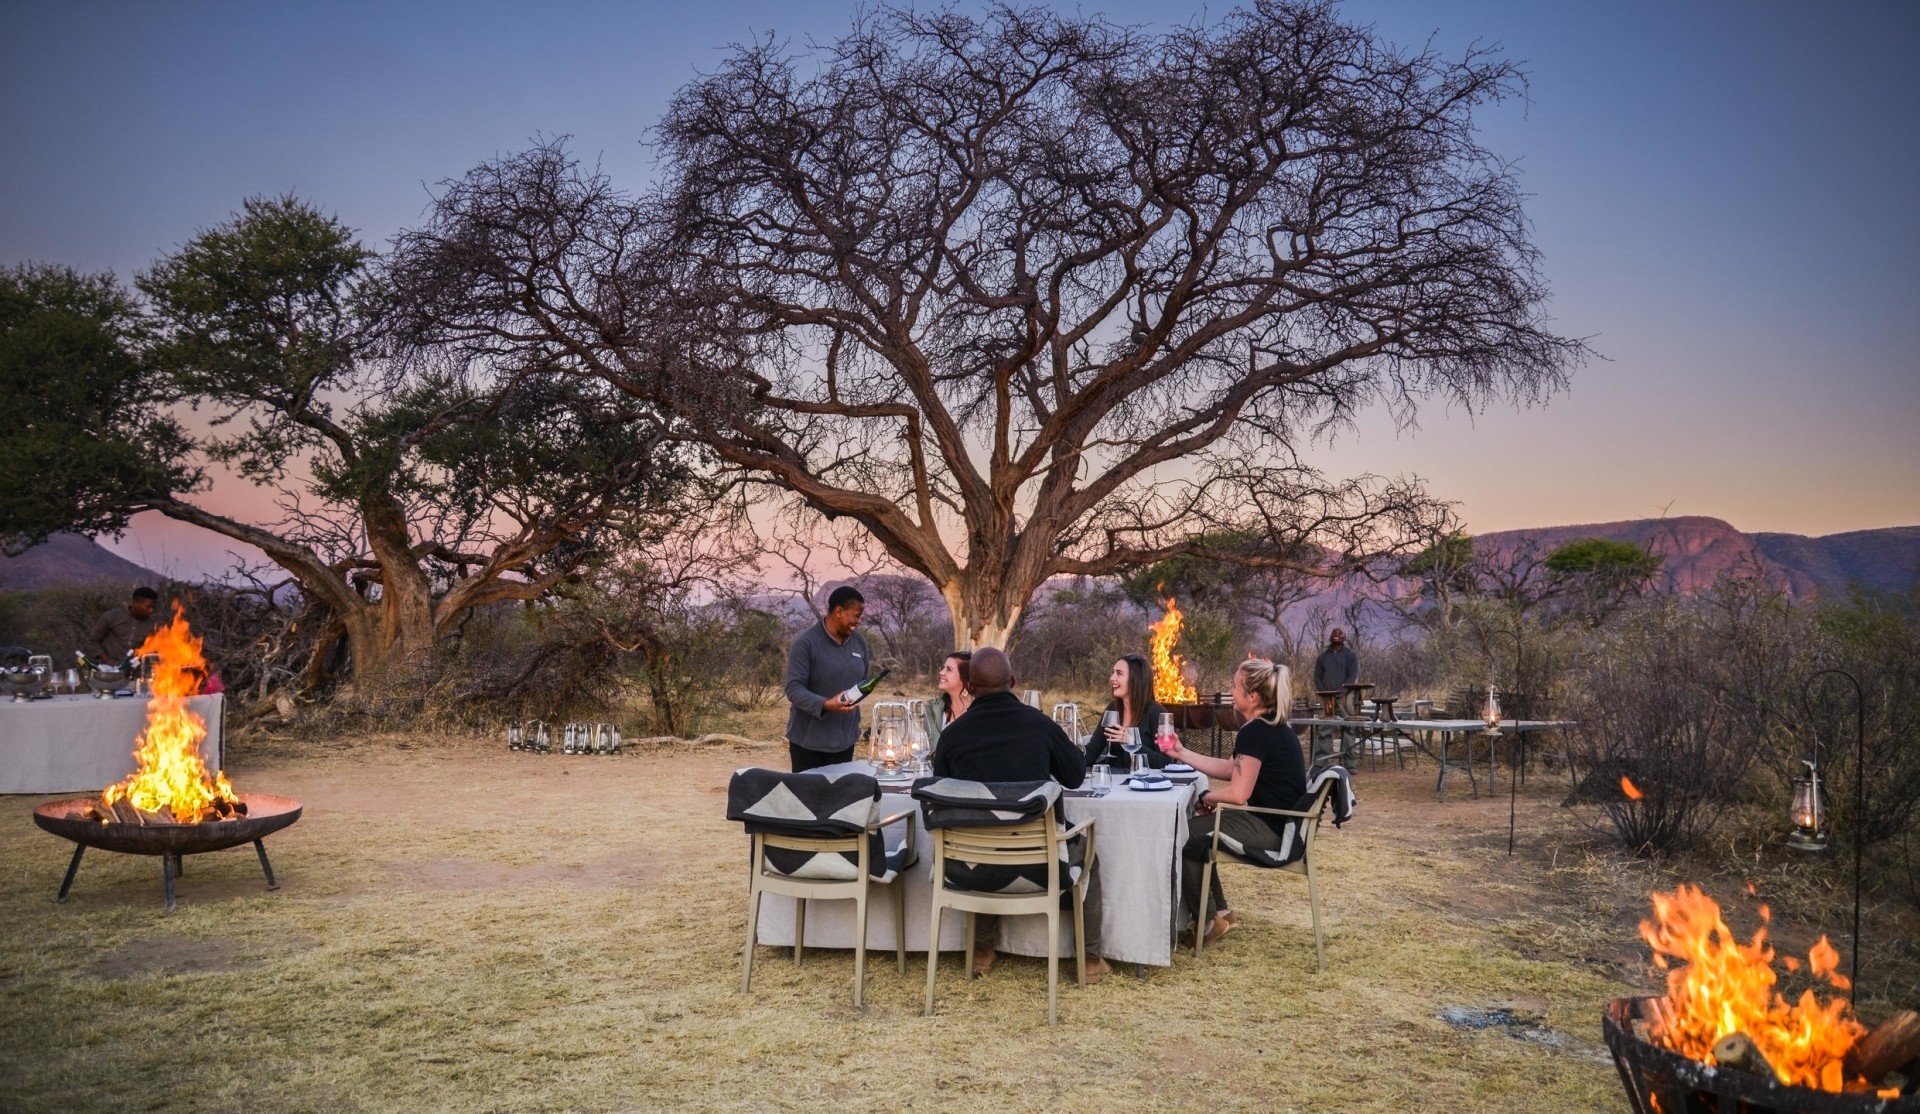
80,744
1139,835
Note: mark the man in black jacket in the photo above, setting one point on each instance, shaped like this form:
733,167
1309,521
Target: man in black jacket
1000,739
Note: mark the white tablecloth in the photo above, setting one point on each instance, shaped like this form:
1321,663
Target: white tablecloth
1138,846
82,744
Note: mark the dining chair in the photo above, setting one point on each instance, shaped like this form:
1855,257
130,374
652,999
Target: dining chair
821,837
998,848
1295,855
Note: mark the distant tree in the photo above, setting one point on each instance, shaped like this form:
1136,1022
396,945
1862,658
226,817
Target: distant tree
1030,294
76,380
411,491
1598,575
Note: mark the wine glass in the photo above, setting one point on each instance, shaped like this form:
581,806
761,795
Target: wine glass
918,745
1132,745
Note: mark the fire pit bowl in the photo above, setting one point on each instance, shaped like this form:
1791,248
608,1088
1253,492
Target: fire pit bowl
266,814
1661,1080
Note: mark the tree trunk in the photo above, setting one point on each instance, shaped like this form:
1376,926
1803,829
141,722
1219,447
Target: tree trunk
984,615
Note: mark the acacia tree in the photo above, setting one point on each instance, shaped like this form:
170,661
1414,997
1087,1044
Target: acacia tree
1029,294
410,491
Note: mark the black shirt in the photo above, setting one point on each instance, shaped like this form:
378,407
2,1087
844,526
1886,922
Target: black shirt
1113,754
1282,780
1000,739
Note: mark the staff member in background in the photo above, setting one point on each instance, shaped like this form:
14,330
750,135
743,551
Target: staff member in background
1337,666
827,659
124,628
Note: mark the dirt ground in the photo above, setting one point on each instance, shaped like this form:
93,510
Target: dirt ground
464,928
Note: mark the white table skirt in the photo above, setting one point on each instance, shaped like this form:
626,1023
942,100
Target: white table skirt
1138,847
82,744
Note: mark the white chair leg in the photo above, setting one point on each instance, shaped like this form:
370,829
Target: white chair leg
900,919
753,932
933,948
1313,902
1053,966
1080,935
860,949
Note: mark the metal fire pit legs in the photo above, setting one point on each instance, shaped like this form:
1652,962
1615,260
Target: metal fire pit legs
172,842
172,866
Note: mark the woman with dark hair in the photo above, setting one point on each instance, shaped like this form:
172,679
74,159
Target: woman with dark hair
1133,705
956,693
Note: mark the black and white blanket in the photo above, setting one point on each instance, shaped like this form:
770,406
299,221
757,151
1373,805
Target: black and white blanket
954,803
1293,842
813,804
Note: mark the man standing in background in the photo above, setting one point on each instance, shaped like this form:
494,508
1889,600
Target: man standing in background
124,628
827,659
1336,668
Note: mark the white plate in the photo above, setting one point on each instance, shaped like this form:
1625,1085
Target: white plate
1148,786
1176,768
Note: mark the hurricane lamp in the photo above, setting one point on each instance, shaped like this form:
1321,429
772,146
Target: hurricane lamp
1809,812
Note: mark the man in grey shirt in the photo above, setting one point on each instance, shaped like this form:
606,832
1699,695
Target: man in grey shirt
827,659
123,628
1338,666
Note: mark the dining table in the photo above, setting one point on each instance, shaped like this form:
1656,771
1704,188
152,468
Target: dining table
80,743
1422,734
1139,834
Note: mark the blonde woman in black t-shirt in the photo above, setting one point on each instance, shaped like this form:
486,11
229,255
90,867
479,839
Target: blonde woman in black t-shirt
1267,770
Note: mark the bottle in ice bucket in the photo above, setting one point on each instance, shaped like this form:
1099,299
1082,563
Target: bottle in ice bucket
865,688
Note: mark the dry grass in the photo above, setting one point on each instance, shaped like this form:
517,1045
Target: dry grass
461,928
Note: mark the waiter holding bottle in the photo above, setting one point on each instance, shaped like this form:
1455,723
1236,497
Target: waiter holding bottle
826,666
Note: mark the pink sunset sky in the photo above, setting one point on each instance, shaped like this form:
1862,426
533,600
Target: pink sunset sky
1720,192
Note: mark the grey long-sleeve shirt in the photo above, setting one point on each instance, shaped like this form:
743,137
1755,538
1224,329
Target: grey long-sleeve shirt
819,668
1335,669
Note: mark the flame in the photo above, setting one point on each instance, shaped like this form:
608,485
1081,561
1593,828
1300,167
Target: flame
1630,789
1717,985
1169,668
172,779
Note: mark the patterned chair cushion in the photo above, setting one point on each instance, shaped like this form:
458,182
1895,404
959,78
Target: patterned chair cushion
814,804
1293,841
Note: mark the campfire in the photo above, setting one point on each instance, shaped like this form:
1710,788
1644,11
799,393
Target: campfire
172,805
1169,668
1724,1038
172,784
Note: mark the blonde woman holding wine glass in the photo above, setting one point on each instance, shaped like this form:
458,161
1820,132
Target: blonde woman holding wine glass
1267,770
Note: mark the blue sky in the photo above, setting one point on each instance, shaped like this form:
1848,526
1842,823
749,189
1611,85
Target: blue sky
1723,193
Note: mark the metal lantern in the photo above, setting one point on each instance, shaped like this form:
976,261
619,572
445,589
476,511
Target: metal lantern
887,748
1493,708
1809,812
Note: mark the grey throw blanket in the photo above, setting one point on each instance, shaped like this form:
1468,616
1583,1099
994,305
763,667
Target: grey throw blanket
954,803
1293,843
809,804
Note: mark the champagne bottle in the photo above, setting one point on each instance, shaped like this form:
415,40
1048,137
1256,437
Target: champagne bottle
865,688
86,663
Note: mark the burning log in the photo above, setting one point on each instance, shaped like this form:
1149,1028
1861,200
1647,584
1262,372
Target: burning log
1892,1043
124,812
1738,1052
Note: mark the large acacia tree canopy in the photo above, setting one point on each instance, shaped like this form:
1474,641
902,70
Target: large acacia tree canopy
1026,294
83,420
